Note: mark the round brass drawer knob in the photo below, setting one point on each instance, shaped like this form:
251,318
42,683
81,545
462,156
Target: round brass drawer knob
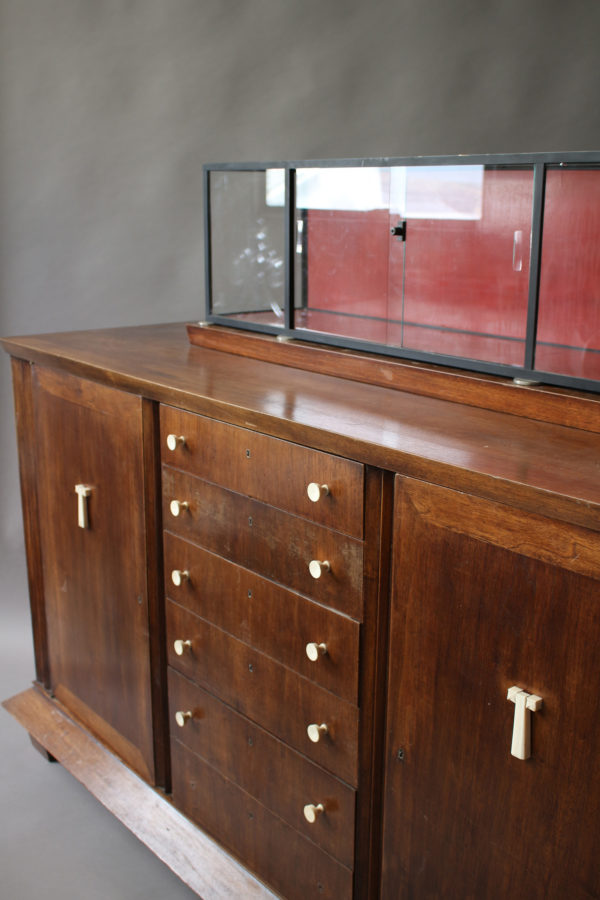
173,440
314,651
315,491
181,646
177,506
182,717
315,732
178,576
317,567
312,812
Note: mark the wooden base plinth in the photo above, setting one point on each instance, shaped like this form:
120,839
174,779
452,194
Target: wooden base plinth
194,857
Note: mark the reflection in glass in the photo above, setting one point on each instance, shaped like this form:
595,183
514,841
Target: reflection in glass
437,192
341,250
428,261
247,248
568,335
430,258
466,277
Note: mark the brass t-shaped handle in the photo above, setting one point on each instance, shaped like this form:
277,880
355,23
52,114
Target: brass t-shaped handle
525,704
83,491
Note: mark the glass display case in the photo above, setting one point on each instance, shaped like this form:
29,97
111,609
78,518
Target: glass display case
487,263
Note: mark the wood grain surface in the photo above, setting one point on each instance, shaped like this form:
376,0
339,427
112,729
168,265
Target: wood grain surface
266,768
475,612
490,538
266,616
536,401
295,866
25,421
536,465
277,472
193,856
268,693
95,581
265,539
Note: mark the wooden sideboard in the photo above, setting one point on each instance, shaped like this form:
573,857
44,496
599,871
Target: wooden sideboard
324,635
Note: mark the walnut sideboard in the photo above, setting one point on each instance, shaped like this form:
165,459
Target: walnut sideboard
314,623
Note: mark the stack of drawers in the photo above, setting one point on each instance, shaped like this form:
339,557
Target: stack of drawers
263,544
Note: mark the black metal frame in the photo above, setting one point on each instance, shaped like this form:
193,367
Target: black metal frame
539,162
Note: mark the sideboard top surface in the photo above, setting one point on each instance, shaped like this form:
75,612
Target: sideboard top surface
544,467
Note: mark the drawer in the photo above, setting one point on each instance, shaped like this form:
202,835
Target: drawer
271,542
266,616
263,766
266,468
293,865
267,692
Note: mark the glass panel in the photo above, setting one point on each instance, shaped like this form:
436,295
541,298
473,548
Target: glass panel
247,246
342,247
568,333
464,285
431,258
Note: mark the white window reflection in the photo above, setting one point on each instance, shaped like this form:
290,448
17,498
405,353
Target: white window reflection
412,192
437,192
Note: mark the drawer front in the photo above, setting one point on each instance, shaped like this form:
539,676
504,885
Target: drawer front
275,471
281,779
268,617
267,540
268,693
289,862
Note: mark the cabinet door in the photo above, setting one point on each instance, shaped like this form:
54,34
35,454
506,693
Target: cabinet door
486,598
95,569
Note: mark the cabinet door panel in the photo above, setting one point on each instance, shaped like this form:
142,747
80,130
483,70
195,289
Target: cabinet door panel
95,576
486,598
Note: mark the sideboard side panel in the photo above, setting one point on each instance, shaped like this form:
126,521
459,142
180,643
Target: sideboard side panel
24,414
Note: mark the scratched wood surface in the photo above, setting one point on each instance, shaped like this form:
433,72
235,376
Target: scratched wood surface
200,863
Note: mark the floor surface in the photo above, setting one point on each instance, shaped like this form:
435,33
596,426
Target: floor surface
56,840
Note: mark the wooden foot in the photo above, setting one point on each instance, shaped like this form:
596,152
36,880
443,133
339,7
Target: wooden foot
42,750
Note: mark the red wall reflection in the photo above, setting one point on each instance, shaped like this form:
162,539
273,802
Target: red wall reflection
460,287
